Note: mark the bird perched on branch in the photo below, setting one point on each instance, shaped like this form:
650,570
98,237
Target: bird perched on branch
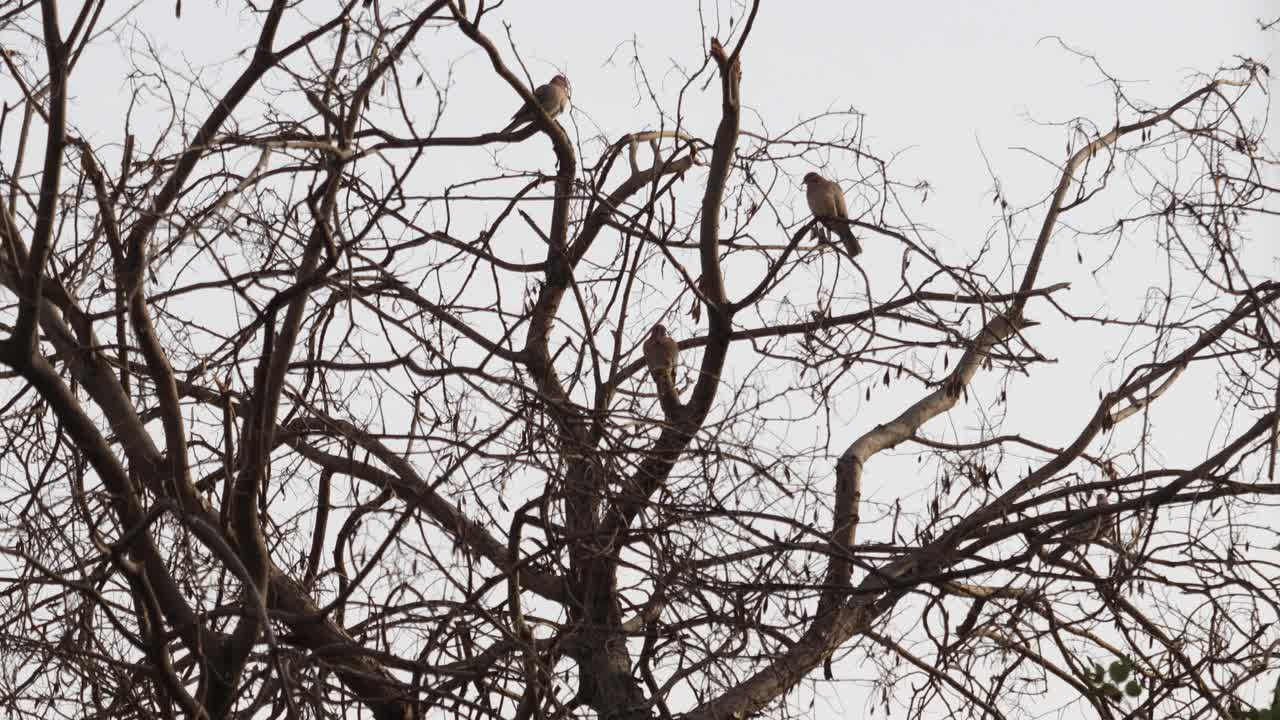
1083,534
661,354
553,98
826,201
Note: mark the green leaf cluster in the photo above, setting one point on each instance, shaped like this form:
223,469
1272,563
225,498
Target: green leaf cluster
1115,682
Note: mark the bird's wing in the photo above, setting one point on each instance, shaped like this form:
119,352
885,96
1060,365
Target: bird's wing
819,202
546,97
652,353
837,197
540,94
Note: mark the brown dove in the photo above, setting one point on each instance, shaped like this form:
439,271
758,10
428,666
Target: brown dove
826,201
552,97
661,354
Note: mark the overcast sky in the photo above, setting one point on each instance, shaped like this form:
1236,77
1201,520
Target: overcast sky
939,83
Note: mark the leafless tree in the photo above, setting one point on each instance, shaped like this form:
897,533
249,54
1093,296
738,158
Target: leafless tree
310,410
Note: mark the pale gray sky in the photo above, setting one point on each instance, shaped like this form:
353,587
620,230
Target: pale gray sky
938,82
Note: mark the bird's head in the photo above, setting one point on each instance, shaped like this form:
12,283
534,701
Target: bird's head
659,330
811,178
560,80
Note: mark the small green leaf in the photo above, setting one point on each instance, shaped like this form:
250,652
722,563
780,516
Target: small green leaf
1133,689
1119,671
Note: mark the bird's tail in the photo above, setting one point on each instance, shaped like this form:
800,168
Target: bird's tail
851,244
523,115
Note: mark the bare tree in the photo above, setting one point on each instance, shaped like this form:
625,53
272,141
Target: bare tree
294,426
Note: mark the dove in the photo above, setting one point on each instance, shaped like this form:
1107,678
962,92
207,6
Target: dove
552,98
661,354
826,201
